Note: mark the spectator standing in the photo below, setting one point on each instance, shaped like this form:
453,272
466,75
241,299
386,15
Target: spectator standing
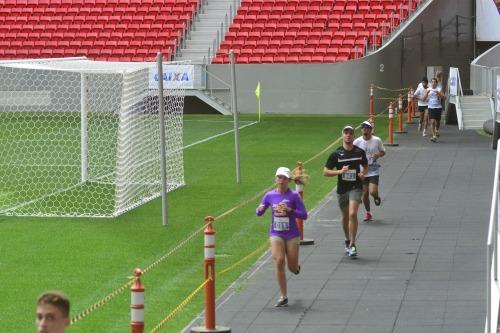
52,312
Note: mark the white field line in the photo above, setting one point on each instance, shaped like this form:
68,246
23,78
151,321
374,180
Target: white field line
217,135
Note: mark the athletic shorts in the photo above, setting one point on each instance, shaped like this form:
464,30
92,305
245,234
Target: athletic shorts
435,114
352,195
295,240
422,108
371,180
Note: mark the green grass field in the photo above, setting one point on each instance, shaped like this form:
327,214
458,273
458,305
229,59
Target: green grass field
90,258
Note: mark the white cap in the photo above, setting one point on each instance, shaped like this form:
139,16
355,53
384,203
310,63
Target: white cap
282,171
366,123
347,127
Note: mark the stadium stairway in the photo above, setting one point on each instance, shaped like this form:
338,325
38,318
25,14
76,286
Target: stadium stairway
422,262
475,111
207,31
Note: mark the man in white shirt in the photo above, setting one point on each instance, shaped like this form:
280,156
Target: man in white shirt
374,149
422,105
434,96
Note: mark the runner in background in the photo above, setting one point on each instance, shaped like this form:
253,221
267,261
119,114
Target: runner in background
422,105
434,96
374,149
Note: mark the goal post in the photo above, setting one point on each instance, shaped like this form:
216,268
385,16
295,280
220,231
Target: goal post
83,130
81,138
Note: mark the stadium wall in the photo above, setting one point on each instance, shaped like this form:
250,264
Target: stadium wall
343,88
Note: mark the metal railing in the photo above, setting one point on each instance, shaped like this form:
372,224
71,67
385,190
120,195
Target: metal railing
492,287
483,79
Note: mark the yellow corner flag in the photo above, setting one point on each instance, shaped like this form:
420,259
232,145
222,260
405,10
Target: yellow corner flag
257,93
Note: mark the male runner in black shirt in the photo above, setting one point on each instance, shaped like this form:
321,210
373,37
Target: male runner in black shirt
345,163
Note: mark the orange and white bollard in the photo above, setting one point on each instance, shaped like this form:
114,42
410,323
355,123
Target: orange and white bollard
371,112
299,187
413,109
209,245
390,126
409,113
400,116
137,303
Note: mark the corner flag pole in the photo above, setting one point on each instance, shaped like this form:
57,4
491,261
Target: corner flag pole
257,93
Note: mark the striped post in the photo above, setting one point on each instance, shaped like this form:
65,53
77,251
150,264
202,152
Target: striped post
408,114
137,303
209,245
209,274
412,99
390,127
400,115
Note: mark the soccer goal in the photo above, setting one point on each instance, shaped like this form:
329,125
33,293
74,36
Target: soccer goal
81,138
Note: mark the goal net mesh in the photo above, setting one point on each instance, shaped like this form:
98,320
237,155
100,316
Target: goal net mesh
82,138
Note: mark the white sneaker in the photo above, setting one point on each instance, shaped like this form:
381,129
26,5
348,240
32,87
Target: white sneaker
353,252
419,127
424,133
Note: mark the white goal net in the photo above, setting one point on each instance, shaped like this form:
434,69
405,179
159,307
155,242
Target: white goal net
81,138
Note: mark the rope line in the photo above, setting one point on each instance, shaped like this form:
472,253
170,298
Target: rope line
181,306
242,260
101,302
387,89
188,299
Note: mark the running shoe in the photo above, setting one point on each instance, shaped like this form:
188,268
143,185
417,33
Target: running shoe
298,271
419,127
353,251
424,133
347,246
282,302
434,139
377,201
368,217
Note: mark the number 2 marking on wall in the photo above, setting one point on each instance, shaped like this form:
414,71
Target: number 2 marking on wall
381,67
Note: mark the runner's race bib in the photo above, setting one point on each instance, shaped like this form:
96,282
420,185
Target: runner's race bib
281,223
349,176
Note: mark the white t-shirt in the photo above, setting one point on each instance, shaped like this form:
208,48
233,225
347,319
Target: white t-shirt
371,147
419,93
433,98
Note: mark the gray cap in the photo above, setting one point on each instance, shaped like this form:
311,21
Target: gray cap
366,123
347,127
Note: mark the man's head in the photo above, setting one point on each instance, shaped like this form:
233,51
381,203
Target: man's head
425,82
366,129
52,312
434,83
348,134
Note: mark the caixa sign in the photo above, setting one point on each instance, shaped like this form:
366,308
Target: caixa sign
174,76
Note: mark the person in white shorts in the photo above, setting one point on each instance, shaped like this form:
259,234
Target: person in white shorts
374,149
422,105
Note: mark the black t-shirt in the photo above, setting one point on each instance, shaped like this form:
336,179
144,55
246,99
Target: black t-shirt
354,159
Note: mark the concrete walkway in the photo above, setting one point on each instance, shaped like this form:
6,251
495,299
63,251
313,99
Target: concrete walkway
422,262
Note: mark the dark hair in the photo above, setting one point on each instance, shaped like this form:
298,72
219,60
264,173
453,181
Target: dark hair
424,79
57,299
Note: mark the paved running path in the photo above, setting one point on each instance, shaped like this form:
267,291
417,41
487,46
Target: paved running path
422,262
